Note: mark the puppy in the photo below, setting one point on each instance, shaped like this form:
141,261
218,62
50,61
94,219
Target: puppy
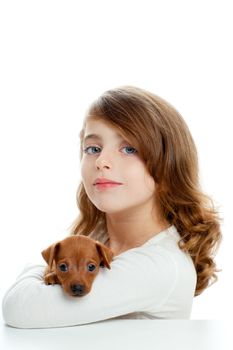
74,263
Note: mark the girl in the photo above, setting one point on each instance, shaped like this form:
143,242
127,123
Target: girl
139,195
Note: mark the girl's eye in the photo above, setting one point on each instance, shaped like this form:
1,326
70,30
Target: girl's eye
95,150
63,267
130,150
91,150
91,267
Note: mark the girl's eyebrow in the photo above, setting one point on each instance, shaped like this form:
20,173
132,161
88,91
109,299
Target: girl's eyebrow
98,137
92,136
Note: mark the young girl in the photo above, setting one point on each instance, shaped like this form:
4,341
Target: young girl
139,195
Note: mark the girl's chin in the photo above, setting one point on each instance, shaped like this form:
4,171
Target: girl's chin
113,211
108,206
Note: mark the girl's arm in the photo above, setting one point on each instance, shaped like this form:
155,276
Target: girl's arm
139,281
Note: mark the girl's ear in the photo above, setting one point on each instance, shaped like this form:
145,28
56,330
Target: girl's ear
105,253
49,254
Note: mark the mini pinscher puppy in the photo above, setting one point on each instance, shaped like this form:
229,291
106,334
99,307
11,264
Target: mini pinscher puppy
74,263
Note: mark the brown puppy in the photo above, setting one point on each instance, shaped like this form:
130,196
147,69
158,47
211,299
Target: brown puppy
74,263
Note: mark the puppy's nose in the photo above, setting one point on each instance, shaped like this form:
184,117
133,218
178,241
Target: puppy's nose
77,289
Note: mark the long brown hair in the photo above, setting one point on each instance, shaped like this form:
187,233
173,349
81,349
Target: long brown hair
164,142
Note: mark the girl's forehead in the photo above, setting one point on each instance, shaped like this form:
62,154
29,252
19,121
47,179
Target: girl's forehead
96,128
94,123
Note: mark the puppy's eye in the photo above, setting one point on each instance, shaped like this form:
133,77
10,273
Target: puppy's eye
91,267
63,267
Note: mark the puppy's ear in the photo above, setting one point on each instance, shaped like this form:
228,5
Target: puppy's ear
49,254
105,253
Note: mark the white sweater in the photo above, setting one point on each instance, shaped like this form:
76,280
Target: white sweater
156,280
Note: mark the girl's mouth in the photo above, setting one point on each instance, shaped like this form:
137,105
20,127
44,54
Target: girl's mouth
106,185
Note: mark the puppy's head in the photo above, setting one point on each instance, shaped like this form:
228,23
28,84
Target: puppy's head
76,261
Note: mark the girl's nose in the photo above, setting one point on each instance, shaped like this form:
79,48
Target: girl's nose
103,162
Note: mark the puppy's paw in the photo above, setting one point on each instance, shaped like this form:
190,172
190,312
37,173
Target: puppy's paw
51,278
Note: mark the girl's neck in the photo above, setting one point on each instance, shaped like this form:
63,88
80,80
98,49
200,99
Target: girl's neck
129,231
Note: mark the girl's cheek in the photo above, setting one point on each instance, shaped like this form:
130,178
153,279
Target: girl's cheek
85,169
83,162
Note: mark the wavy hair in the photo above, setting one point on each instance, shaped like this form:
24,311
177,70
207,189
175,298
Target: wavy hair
165,144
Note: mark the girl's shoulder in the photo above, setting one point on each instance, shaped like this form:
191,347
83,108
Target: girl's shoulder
163,253
169,235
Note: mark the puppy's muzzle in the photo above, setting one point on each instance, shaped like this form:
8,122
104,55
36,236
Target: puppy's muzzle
77,289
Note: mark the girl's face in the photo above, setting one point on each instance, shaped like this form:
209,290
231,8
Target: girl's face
107,155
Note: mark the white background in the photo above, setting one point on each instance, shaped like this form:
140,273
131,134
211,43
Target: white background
55,58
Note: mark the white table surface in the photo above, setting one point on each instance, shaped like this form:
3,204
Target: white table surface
123,334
